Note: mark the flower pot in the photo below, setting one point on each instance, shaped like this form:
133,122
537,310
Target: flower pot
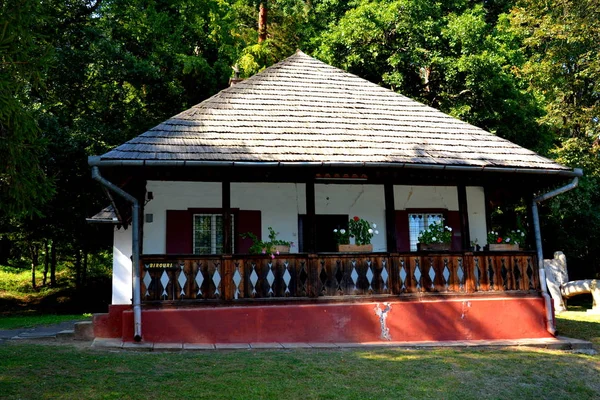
504,247
281,249
433,246
355,248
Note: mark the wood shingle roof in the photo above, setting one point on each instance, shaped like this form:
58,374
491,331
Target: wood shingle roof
303,110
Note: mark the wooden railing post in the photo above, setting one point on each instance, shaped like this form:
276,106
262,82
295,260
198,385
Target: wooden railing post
227,277
469,269
312,284
394,273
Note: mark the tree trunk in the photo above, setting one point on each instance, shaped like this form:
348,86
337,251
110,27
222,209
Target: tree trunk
78,269
33,275
46,262
262,22
53,265
33,250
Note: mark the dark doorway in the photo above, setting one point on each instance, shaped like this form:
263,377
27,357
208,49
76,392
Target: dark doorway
325,224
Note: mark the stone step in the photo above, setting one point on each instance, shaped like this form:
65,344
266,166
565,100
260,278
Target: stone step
84,330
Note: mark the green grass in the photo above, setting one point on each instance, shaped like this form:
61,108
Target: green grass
580,325
16,283
32,320
66,372
17,296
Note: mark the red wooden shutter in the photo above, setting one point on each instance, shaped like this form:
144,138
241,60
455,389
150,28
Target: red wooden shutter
179,232
246,221
402,231
453,221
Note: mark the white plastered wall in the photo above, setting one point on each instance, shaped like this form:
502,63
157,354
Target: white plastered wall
406,197
279,204
174,196
364,201
122,272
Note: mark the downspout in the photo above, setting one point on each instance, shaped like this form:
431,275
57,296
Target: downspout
538,244
135,253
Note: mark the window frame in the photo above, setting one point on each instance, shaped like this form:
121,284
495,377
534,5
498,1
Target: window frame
213,243
424,211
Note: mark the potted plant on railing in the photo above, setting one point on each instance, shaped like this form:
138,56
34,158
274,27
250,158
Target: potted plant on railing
436,237
358,236
273,247
511,241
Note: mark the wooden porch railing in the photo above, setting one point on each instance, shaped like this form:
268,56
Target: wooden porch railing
234,278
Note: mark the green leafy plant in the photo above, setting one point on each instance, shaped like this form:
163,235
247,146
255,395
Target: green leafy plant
436,233
361,230
342,236
266,247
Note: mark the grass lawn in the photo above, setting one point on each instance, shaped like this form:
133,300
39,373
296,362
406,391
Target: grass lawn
73,370
580,325
31,320
18,297
44,371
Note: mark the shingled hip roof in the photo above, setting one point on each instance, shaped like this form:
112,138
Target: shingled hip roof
303,111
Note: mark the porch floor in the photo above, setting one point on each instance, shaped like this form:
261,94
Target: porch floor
557,343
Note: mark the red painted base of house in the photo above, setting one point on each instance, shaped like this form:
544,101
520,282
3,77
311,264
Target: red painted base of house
459,319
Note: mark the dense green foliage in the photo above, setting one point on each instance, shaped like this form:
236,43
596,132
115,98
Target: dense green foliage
78,77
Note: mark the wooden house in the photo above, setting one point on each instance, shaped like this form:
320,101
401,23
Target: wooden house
301,147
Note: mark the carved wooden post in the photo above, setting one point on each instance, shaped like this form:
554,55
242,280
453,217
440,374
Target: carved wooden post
310,228
463,211
469,269
390,217
394,273
313,275
227,280
226,206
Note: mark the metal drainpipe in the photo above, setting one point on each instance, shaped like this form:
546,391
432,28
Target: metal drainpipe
135,254
538,244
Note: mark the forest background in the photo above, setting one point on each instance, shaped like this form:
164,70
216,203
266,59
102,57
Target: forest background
78,77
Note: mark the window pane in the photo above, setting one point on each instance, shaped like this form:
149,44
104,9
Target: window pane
208,233
219,234
202,234
418,223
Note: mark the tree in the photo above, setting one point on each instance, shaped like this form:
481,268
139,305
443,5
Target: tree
561,40
454,56
24,56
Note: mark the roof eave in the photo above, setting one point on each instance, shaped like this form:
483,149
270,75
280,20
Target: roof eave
99,162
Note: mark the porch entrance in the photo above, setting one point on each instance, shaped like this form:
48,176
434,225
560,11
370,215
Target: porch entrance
324,226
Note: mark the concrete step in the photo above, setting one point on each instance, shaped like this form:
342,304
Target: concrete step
559,343
84,330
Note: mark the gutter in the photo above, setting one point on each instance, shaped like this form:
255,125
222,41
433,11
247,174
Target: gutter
135,253
538,244
98,161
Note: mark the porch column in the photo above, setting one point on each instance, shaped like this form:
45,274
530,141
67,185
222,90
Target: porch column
226,206
463,211
390,217
310,228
